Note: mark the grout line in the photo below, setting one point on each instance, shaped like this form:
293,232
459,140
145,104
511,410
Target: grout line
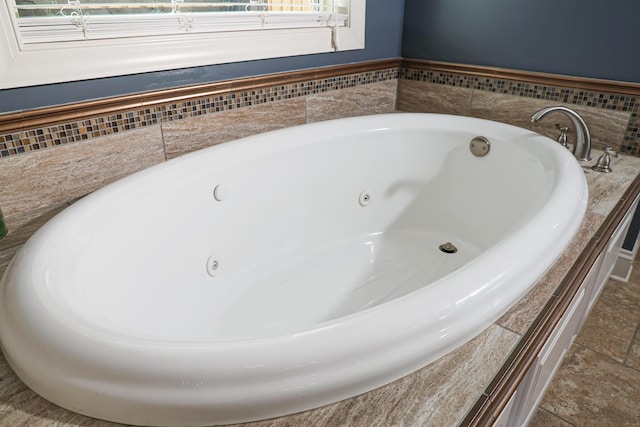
636,334
164,143
615,299
540,408
605,356
497,323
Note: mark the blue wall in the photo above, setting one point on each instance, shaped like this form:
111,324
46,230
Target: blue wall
585,38
383,40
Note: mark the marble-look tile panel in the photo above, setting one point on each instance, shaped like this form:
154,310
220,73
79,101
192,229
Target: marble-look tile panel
542,418
422,97
439,394
373,98
184,136
22,226
5,257
607,127
590,389
609,329
52,177
522,315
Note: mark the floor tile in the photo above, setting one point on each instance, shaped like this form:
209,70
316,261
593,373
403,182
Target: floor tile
625,293
609,329
592,390
542,418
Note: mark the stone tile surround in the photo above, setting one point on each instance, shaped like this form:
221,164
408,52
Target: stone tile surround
44,169
569,93
608,127
37,183
447,92
32,139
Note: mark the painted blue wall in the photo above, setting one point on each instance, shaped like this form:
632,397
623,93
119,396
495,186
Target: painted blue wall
585,38
383,40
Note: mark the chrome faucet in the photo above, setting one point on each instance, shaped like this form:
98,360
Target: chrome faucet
582,147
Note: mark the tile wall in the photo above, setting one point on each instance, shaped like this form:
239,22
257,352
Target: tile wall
612,118
74,131
43,170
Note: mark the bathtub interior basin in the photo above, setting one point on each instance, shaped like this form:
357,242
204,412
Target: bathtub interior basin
285,271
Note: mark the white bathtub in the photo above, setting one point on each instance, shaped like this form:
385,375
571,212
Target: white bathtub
285,271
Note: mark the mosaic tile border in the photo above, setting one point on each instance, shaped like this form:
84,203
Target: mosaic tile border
553,93
28,140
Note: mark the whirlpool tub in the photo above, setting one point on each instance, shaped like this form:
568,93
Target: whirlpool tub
286,271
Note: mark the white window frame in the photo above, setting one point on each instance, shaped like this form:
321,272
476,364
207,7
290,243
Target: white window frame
31,65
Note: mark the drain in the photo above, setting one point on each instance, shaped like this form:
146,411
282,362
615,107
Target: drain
479,146
448,248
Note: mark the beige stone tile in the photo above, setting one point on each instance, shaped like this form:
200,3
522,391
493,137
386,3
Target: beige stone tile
423,97
522,315
373,98
184,136
627,294
5,257
22,226
590,389
542,418
438,395
634,276
55,176
607,127
609,329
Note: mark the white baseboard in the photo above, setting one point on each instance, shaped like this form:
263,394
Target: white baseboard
624,264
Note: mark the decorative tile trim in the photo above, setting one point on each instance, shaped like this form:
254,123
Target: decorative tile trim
23,132
29,131
555,89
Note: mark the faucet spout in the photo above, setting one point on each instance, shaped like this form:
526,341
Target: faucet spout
582,147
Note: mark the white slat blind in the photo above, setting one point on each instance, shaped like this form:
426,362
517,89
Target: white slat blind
44,21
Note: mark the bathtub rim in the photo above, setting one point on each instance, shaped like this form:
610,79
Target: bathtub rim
566,160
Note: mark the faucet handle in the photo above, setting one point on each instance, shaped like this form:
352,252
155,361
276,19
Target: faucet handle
609,150
604,162
562,138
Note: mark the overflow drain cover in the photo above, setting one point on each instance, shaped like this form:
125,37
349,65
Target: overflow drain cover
448,248
479,146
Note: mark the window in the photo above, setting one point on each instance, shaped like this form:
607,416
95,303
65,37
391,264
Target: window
47,41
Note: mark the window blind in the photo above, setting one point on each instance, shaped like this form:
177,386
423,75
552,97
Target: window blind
44,21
